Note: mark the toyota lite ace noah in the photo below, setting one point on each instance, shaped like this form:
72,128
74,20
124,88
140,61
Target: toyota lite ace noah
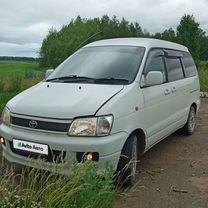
110,101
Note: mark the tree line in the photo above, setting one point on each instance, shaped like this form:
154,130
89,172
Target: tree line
58,45
17,58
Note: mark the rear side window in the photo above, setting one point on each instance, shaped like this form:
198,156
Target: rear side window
155,63
189,65
174,68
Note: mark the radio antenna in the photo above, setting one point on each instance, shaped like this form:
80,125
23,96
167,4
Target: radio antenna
87,40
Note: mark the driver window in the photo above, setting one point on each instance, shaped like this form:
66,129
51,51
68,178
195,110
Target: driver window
155,63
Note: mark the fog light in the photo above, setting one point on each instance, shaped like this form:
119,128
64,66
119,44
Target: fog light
2,140
89,156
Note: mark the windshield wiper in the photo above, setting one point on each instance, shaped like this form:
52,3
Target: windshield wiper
73,78
112,80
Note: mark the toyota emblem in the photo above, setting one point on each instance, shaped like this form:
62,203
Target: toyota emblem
33,124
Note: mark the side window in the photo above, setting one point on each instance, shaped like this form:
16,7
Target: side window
155,63
174,68
189,65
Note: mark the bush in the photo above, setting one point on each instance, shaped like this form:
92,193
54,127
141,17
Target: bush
4,98
203,76
206,65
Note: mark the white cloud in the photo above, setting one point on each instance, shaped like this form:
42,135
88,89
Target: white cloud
12,49
25,23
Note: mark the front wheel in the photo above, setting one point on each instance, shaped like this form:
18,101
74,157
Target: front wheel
191,122
126,170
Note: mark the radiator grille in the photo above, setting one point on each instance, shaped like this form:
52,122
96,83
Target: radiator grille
39,124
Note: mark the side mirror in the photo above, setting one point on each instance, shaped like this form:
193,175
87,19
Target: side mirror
48,73
153,78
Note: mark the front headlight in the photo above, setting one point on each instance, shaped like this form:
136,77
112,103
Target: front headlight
91,126
6,116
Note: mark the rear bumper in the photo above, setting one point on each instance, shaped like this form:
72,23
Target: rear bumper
108,147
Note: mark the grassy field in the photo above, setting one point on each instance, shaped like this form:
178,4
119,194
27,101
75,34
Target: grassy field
11,67
15,77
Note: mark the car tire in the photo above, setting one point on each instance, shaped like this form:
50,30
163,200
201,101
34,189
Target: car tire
189,127
126,169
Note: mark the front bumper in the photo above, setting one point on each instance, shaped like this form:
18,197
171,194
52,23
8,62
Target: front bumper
108,147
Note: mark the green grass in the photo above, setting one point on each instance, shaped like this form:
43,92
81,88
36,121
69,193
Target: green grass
10,67
38,189
5,97
203,75
15,77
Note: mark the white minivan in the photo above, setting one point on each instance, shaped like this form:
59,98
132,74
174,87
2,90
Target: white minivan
110,101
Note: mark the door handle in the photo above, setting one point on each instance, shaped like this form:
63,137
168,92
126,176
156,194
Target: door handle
174,89
167,91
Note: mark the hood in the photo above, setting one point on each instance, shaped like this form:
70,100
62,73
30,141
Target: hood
62,100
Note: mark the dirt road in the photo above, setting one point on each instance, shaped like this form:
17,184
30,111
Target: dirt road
174,173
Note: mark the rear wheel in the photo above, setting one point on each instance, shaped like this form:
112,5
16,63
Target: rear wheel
191,122
126,170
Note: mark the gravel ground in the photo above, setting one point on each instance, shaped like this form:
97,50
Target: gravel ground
174,173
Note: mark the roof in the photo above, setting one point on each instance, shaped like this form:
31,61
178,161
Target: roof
144,42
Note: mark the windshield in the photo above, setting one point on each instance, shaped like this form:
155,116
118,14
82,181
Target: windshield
117,63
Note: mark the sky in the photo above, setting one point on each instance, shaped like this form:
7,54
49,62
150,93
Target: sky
24,23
